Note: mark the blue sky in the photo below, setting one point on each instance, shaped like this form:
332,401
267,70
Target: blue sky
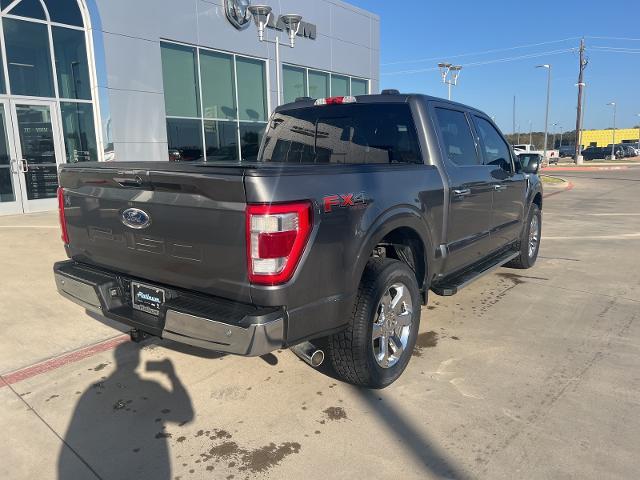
424,29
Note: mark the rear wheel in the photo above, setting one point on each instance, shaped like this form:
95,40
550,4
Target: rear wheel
530,241
376,347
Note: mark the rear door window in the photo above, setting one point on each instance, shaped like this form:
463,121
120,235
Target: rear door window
347,134
457,138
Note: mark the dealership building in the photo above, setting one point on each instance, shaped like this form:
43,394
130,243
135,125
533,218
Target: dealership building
145,80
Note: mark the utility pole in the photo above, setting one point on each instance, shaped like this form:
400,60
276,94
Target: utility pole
447,69
583,64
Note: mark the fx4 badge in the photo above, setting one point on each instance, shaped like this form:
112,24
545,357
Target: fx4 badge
343,201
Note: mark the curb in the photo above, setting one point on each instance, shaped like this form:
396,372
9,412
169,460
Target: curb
60,361
583,169
570,186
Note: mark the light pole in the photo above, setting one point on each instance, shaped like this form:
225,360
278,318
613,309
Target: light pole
261,16
583,96
445,70
553,142
613,144
530,132
638,115
518,134
546,117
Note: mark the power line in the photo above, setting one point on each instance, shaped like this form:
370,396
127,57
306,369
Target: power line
422,60
615,49
616,38
486,62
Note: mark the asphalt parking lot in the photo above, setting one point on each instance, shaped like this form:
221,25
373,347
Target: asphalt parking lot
524,374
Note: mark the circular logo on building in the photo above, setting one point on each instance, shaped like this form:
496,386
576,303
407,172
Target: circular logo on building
238,12
136,218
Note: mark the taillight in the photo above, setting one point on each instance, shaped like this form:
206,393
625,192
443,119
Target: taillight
335,101
276,237
63,218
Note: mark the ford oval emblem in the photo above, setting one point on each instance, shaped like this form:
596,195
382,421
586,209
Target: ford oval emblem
136,218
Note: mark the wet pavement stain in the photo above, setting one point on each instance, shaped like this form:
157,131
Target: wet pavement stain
220,434
119,405
231,455
181,439
425,340
52,397
102,366
519,279
163,435
335,413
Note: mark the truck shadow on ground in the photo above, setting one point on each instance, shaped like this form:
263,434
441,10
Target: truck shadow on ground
118,428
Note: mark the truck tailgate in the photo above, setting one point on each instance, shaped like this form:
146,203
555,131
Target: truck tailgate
195,237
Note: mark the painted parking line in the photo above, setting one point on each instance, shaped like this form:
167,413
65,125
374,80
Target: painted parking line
581,169
61,361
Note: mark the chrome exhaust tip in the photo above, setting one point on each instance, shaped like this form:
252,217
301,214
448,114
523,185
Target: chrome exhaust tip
308,352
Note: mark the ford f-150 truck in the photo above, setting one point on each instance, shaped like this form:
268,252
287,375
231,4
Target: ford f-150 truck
328,241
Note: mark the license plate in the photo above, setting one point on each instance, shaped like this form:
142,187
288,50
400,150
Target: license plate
146,298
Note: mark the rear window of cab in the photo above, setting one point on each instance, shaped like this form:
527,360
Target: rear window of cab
347,134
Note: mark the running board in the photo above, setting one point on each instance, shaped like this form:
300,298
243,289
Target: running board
451,286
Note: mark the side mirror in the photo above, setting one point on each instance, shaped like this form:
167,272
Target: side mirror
533,166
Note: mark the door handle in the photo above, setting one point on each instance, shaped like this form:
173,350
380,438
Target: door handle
499,188
462,192
24,165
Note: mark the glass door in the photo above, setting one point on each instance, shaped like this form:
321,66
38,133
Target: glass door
39,152
10,193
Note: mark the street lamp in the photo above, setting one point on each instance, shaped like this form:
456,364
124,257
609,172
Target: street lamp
546,117
578,153
553,142
530,132
445,70
613,144
261,17
638,115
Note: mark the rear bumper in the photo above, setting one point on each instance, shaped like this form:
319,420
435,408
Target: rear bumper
202,321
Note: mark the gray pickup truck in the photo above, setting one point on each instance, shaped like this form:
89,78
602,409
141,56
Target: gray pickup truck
329,242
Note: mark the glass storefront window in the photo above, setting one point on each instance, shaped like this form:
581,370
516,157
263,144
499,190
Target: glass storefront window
221,139
250,138
180,76
71,63
359,87
294,83
79,132
252,91
65,11
28,58
339,86
6,179
29,9
185,139
318,84
218,85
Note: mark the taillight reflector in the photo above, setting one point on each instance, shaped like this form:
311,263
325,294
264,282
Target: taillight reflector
276,238
335,101
63,218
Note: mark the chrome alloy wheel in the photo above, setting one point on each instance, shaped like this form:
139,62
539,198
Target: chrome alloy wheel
392,325
534,235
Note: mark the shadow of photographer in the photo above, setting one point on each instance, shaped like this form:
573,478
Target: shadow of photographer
119,425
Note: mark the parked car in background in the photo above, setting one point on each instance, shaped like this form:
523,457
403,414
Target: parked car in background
629,150
567,151
618,149
594,153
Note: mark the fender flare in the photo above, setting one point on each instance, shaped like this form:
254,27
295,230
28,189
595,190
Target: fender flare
388,221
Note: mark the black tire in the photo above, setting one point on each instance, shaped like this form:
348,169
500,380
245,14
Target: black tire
352,350
527,259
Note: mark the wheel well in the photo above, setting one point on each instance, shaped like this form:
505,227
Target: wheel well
405,245
538,200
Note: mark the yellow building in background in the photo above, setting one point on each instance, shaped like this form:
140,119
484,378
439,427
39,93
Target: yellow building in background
602,138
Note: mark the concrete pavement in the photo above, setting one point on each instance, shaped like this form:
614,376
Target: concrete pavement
524,374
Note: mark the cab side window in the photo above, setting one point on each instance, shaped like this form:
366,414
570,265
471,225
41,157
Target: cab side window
457,138
494,149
